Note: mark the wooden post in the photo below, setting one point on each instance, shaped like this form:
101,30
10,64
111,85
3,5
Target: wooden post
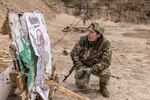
12,50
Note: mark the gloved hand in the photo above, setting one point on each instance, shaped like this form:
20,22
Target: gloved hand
88,70
83,72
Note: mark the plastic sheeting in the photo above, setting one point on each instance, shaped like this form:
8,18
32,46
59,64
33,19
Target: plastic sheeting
32,42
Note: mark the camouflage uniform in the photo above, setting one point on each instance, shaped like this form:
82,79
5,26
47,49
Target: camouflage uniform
93,59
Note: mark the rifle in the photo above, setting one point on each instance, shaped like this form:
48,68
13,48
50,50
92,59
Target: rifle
88,61
70,71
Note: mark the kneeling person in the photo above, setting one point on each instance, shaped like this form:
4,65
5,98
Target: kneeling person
92,55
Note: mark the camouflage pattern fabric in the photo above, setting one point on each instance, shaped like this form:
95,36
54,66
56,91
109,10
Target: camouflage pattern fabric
98,28
93,59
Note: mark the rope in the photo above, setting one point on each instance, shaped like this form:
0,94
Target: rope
59,40
73,21
76,24
64,35
117,58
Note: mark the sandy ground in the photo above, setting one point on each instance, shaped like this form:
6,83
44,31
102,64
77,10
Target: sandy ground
130,44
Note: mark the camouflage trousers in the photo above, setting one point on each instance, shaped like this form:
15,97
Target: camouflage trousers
82,76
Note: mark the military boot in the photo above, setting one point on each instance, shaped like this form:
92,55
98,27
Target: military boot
104,90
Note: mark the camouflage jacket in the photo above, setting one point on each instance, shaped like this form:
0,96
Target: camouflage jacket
96,55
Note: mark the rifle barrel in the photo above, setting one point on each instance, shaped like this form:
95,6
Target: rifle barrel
66,76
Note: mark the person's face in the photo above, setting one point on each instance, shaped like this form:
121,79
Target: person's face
92,35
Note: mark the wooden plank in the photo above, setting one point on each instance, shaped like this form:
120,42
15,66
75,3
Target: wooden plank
64,91
24,95
21,83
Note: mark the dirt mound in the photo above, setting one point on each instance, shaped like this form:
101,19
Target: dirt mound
132,11
18,6
24,6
